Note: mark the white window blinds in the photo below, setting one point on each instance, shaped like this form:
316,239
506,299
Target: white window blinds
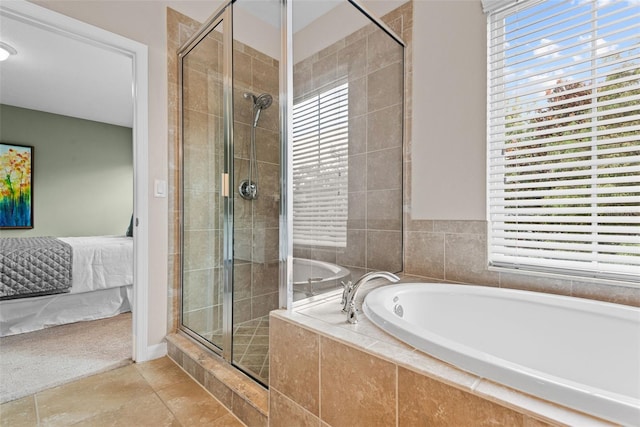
564,138
320,166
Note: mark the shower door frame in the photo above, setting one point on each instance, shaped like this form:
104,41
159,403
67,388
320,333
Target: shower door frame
223,15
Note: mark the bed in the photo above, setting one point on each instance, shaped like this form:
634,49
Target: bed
97,282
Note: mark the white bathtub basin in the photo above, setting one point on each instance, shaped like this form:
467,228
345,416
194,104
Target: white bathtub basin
579,353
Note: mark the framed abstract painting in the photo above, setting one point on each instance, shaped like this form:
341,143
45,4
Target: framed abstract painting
16,186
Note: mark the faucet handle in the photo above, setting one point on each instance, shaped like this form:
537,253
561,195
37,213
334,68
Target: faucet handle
352,313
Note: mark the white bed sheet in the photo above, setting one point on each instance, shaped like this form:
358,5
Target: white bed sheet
102,286
31,314
100,262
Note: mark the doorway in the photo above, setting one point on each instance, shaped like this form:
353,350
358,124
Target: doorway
137,53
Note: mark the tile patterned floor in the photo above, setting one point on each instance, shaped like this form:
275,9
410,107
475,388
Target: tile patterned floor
155,393
251,347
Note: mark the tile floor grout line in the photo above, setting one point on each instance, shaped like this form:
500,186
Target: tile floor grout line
252,326
175,417
266,356
155,391
229,410
35,404
258,324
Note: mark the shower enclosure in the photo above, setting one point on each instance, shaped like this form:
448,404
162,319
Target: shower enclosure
291,131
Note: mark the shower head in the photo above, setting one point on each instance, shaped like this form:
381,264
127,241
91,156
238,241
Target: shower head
263,101
260,102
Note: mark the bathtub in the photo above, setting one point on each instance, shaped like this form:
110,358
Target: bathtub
578,353
312,277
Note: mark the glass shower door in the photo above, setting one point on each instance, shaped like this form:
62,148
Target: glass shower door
256,158
231,141
203,204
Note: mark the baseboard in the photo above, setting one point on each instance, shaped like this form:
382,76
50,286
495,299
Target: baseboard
155,351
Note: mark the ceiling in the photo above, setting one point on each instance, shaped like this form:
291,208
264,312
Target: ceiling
58,73
304,11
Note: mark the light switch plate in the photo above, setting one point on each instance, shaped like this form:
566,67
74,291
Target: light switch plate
160,188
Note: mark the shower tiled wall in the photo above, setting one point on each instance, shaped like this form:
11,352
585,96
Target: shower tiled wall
256,222
372,64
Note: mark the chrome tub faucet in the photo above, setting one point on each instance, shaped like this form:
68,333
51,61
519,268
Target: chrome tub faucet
351,290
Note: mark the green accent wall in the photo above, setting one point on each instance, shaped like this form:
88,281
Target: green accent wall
82,173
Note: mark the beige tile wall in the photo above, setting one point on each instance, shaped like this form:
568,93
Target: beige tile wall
301,379
456,251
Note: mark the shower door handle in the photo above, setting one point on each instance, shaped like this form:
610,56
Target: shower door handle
225,185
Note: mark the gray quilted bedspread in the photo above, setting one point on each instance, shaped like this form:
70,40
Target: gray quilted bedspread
33,266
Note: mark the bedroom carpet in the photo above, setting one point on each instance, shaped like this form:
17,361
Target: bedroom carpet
50,357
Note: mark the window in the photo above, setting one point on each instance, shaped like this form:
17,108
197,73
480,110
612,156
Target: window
320,166
564,137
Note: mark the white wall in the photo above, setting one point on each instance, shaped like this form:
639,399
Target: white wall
449,104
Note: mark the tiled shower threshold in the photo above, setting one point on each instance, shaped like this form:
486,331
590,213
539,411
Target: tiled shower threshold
242,395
